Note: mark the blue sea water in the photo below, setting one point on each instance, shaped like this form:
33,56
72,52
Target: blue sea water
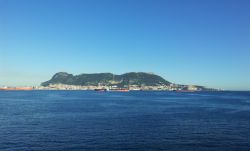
137,120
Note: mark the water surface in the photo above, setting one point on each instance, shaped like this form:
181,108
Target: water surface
88,120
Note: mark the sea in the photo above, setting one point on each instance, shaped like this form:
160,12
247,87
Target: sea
53,120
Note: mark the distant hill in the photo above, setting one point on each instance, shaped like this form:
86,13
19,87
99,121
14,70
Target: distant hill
131,78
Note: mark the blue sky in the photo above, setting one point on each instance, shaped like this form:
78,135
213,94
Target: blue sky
204,42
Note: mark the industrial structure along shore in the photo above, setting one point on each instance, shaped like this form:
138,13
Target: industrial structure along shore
171,87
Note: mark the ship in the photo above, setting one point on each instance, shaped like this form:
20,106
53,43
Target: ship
119,90
185,91
16,88
112,90
101,90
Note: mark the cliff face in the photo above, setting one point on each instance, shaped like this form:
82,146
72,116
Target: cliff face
131,78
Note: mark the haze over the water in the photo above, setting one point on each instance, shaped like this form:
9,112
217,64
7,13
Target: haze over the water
185,41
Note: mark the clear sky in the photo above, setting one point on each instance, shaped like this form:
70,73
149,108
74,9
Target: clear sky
203,42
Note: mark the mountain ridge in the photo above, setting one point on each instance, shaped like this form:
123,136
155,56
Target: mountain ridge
133,80
130,78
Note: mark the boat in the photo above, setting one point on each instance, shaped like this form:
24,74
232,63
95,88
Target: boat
119,90
101,90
